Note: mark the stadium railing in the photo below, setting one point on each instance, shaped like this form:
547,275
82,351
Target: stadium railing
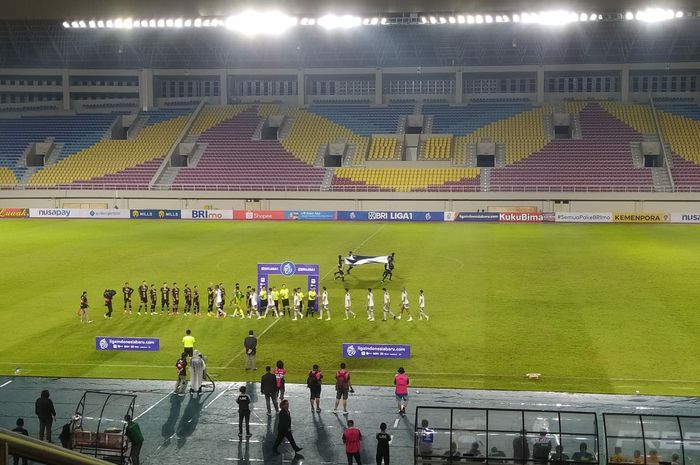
41,452
351,188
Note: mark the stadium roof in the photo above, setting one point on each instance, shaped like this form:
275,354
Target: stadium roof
61,9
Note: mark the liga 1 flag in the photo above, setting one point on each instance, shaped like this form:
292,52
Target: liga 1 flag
356,260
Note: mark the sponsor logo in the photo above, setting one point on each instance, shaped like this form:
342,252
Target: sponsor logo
478,217
104,344
641,218
514,217
685,218
155,214
564,217
14,213
357,349
351,351
391,216
53,213
690,218
353,215
259,215
287,268
449,216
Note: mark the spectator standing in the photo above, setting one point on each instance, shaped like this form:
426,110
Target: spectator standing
250,343
352,438
284,429
268,388
181,367
19,429
401,382
45,411
343,387
133,432
197,368
243,402
313,382
383,442
521,448
188,343
279,373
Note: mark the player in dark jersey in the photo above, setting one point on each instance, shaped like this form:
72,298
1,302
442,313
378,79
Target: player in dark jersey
154,294
210,299
176,298
143,297
188,299
339,272
127,291
389,268
195,300
164,297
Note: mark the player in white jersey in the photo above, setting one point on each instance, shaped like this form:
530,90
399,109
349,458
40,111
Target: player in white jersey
297,305
421,306
219,303
387,305
324,305
271,304
254,304
404,305
370,305
348,305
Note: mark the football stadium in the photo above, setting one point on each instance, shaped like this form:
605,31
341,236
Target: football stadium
324,233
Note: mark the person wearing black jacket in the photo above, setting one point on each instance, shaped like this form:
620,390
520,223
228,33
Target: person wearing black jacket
284,429
243,402
268,387
521,448
43,407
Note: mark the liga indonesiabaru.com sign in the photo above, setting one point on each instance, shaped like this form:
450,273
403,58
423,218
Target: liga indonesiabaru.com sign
148,344
363,350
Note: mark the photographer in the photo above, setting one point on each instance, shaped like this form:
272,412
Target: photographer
108,295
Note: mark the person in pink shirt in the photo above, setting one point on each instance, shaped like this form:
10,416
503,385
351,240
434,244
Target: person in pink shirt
352,438
401,383
279,373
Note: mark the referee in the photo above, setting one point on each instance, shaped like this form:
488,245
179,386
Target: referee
188,342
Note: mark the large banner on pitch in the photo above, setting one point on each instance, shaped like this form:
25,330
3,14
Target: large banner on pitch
149,344
362,350
390,216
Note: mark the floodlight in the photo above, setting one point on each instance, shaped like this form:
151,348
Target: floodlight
206,22
339,22
629,15
137,23
92,24
679,14
66,24
252,23
109,24
169,22
460,19
506,19
100,24
452,20
366,21
128,23
144,23
433,20
118,23
443,20
499,19
583,17
424,20
516,18
197,22
479,19
470,19
383,21
312,21
488,19
595,17
177,22
653,15
74,24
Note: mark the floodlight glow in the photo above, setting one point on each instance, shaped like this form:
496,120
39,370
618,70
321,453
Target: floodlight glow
206,23
653,15
118,23
595,17
383,21
443,20
516,18
506,19
424,20
169,22
479,19
137,23
128,23
433,20
152,23
629,15
100,24
460,19
177,22
583,17
558,17
160,23
74,24
339,22
66,24
252,23
679,14
470,19
488,19
499,19
366,21
82,24
452,20
109,24
197,22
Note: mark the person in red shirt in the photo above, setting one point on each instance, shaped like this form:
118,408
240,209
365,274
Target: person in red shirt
279,373
401,383
352,438
343,386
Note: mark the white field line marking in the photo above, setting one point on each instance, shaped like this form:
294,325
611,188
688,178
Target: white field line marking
5,384
152,406
221,394
242,351
396,423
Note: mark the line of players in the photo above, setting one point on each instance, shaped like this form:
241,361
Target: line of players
251,304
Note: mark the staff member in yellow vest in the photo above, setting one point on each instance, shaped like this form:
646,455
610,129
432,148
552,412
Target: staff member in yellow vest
284,295
311,304
263,302
188,342
276,300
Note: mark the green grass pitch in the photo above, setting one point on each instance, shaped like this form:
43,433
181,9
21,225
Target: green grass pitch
593,308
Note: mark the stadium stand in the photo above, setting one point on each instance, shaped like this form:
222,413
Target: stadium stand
128,163
232,160
310,131
7,177
382,148
76,132
638,117
680,124
462,120
364,120
436,148
406,179
522,135
601,160
211,115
